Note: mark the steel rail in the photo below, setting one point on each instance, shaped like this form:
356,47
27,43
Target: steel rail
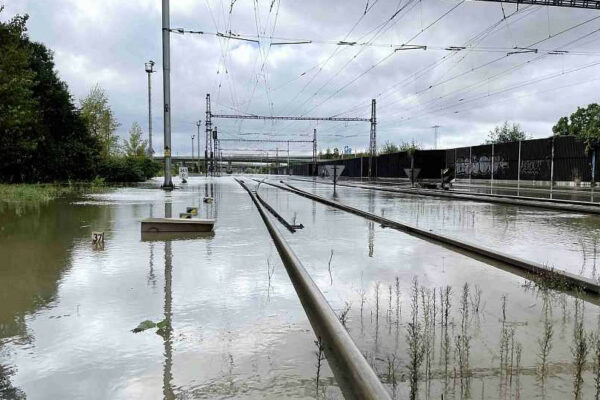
290,227
589,285
354,375
550,204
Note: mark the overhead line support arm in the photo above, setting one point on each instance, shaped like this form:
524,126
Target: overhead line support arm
590,4
342,119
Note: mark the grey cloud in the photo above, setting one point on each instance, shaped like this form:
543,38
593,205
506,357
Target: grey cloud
108,42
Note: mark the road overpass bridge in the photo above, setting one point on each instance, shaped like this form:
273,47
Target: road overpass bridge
241,158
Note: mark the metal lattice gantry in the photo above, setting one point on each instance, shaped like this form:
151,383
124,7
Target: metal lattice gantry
590,4
372,120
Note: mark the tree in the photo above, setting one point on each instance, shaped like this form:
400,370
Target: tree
42,137
409,147
66,150
506,133
100,120
18,115
336,153
583,123
327,155
135,146
389,147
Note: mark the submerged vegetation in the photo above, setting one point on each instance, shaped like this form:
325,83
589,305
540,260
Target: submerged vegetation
441,350
31,193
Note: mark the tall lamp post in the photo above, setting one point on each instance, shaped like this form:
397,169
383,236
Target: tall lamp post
149,70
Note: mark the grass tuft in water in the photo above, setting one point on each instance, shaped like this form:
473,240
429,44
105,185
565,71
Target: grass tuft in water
16,193
579,349
545,342
414,338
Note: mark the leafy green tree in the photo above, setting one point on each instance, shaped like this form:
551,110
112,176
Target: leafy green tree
42,137
409,147
66,150
506,133
389,148
583,123
336,153
18,107
135,146
100,120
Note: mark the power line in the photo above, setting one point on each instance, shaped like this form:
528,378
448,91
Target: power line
488,79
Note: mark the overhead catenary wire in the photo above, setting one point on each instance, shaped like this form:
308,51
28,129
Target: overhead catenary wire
416,75
382,60
528,62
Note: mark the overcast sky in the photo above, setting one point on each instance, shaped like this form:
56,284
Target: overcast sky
466,92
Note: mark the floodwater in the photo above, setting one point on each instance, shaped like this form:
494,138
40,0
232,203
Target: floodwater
234,325
559,239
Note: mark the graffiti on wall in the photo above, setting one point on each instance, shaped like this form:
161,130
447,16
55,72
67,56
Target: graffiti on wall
533,168
480,166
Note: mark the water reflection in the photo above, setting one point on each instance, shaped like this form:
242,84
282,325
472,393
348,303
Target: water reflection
168,331
371,224
34,271
29,274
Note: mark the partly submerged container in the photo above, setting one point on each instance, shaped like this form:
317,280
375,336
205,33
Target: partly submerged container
177,225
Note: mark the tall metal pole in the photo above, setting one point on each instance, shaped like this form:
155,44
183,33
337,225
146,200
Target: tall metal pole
166,27
373,140
288,162
149,70
193,148
435,136
213,151
198,124
208,126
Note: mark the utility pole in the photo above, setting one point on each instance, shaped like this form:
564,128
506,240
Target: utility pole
149,70
193,136
435,136
213,150
373,141
198,124
208,126
288,161
315,151
166,27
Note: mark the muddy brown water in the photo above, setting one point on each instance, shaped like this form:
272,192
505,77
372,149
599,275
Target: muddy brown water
236,327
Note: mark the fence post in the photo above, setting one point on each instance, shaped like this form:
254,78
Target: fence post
593,167
519,170
552,165
492,167
470,163
361,167
455,167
